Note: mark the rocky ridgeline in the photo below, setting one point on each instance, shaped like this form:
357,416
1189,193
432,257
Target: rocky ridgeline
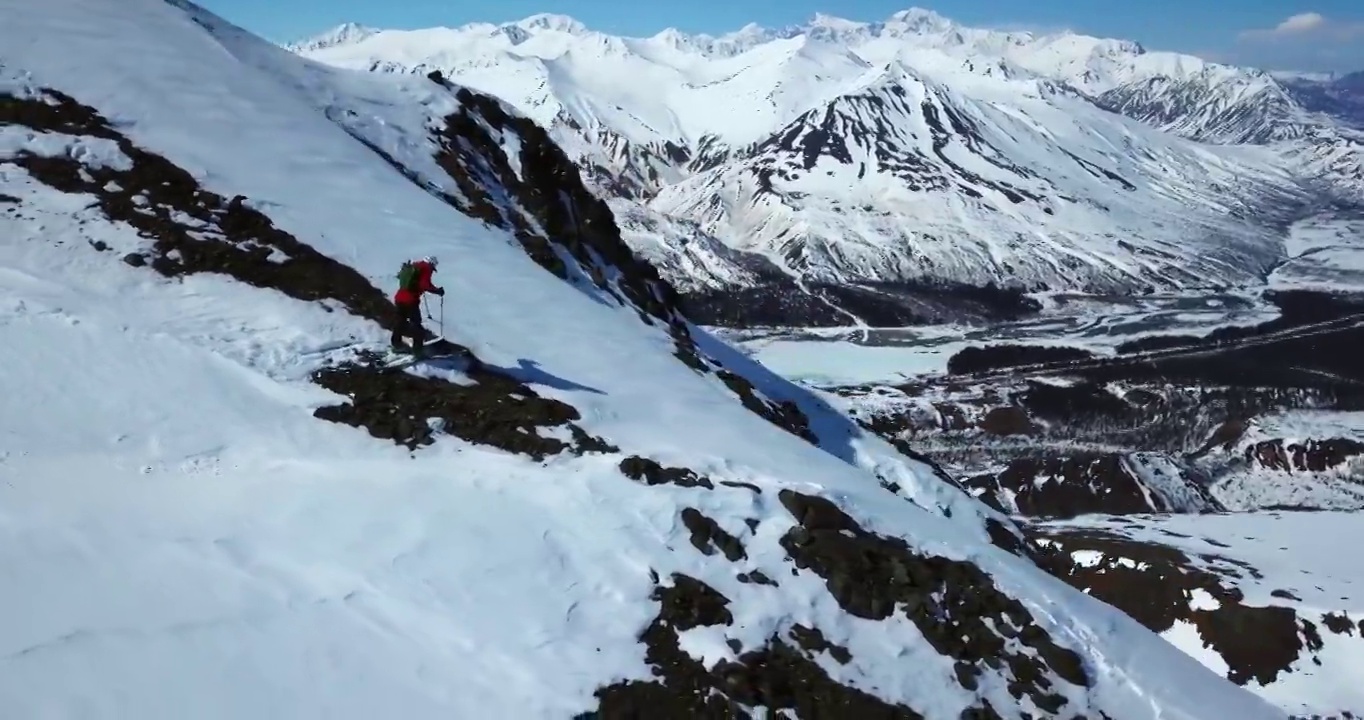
570,232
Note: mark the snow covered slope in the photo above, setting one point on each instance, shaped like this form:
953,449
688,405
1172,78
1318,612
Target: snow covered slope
907,178
1293,459
1268,598
898,157
215,504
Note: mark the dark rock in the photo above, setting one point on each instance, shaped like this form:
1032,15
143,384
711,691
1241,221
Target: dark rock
757,577
584,442
951,417
707,535
551,190
949,601
496,410
238,241
1153,584
1339,624
1007,537
1010,420
650,472
812,640
1081,485
1085,402
1225,436
776,677
972,360
690,603
1306,456
785,414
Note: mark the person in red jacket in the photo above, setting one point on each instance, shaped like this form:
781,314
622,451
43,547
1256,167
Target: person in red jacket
413,280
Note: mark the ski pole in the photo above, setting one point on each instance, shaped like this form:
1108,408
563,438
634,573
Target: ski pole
442,316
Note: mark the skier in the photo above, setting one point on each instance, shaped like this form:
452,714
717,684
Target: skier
413,279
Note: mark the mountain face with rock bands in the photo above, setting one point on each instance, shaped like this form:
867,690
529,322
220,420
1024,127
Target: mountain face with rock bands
840,172
222,497
1338,95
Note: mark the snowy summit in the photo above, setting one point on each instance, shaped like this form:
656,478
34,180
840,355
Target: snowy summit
218,502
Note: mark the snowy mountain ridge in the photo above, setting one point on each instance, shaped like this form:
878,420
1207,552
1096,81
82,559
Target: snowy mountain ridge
344,34
694,126
1090,64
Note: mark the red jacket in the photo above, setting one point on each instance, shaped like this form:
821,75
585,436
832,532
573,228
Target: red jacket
408,297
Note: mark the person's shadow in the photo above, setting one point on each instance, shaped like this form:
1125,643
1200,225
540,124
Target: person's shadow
530,373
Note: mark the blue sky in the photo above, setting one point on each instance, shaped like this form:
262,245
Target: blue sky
1281,34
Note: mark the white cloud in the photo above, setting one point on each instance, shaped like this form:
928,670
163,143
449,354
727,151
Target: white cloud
1306,22
1309,26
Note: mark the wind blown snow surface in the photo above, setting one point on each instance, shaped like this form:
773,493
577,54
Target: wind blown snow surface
909,150
185,534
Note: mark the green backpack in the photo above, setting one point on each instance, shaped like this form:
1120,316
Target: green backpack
407,277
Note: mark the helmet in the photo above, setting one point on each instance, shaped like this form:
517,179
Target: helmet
431,260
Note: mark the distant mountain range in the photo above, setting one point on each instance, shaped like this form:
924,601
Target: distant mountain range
844,172
1338,95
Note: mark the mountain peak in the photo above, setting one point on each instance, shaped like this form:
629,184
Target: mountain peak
834,22
894,76
343,34
552,22
921,19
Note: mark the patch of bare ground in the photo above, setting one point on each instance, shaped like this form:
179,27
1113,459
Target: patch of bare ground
1159,586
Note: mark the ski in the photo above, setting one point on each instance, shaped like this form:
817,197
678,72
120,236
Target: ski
438,349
